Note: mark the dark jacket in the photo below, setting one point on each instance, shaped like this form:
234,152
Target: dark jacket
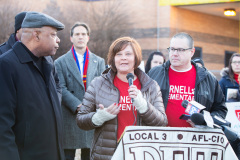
8,45
207,90
103,91
228,83
30,112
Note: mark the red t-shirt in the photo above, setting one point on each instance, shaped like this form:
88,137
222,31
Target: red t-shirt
182,85
125,116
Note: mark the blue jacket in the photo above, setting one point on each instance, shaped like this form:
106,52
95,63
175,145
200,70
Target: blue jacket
207,90
228,83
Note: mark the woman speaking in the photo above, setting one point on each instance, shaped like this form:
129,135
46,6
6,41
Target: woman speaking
110,104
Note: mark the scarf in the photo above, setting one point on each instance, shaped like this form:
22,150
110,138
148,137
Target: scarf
236,77
85,64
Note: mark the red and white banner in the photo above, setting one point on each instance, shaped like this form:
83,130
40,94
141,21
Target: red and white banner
233,115
171,143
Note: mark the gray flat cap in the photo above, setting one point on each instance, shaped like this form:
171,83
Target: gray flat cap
39,20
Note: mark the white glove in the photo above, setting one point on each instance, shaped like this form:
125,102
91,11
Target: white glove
140,103
102,116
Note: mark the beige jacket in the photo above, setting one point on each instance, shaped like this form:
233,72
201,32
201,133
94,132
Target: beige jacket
102,91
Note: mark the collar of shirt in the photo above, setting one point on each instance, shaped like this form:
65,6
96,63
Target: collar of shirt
80,60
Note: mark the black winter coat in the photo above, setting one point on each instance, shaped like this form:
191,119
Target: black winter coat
207,90
7,45
30,113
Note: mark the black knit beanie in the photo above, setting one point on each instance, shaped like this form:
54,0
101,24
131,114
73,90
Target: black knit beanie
18,20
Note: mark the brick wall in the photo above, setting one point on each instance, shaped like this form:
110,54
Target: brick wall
213,34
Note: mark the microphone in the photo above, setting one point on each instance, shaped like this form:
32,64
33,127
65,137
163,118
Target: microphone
200,119
232,136
192,107
130,78
203,119
233,139
195,107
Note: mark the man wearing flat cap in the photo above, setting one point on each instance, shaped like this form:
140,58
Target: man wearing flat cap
30,113
14,36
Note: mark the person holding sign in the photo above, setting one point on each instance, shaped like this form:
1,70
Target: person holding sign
110,104
230,79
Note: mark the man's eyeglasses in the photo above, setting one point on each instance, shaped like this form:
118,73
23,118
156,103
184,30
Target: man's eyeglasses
236,62
179,50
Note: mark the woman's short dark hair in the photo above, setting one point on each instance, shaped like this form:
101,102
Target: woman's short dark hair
231,73
148,64
119,45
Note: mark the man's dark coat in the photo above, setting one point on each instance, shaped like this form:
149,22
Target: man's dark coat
8,45
30,113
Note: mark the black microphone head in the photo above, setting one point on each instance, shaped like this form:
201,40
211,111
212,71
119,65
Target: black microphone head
130,75
198,119
184,103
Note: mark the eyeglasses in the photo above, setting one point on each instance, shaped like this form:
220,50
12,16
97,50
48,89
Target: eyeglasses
179,50
236,62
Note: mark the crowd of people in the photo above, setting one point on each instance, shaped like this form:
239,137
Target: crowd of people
51,108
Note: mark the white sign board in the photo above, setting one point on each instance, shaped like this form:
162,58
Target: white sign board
233,115
171,143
